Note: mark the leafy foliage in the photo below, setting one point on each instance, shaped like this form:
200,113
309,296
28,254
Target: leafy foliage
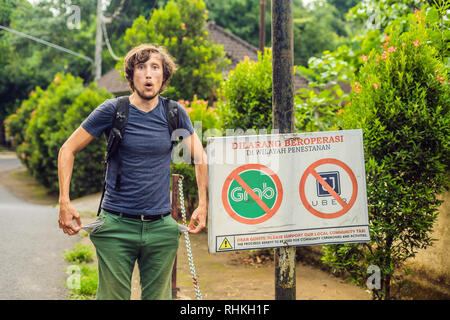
80,257
378,14
81,253
318,110
46,120
246,96
316,28
401,100
240,17
318,107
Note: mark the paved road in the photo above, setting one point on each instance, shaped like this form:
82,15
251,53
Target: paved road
31,247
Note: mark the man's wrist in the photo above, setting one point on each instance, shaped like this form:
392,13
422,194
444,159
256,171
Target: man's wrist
203,205
64,201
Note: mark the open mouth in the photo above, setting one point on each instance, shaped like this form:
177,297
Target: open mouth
148,86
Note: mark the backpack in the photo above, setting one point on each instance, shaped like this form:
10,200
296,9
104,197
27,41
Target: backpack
115,134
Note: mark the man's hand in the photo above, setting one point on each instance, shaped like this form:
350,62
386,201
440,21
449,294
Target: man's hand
67,213
198,220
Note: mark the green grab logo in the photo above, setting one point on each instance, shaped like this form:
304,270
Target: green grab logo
245,205
252,193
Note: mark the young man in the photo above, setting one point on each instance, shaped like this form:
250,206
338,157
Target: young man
137,221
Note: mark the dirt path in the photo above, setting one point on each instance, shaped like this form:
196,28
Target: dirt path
226,276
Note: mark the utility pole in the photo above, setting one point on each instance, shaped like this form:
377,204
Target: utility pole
283,120
98,42
262,25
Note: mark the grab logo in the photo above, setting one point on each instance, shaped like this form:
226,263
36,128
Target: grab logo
252,194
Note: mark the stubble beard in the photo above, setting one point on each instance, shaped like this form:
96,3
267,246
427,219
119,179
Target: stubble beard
146,97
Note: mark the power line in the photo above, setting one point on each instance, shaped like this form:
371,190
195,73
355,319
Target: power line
108,45
47,43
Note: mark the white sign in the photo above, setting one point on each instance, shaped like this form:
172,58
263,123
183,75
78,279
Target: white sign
270,191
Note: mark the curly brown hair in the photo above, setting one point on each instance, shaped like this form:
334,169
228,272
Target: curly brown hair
141,54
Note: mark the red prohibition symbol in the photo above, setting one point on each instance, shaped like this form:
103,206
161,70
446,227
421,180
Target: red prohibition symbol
234,175
311,170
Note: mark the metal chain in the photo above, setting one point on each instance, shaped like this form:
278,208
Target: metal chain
188,242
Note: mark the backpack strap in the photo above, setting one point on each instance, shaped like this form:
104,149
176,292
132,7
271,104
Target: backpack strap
114,137
116,134
173,119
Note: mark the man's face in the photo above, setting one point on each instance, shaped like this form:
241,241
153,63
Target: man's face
148,77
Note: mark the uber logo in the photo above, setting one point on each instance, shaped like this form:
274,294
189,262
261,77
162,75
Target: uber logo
332,178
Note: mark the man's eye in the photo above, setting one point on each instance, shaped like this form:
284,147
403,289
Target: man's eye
140,67
155,66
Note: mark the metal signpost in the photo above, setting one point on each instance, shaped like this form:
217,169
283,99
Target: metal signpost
283,120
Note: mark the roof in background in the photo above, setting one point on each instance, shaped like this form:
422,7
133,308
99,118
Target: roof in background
113,83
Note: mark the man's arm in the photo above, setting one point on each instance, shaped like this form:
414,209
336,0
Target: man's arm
198,218
79,139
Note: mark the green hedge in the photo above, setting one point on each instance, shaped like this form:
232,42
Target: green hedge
46,120
246,96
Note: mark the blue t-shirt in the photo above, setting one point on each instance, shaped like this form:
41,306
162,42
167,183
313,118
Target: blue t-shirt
146,155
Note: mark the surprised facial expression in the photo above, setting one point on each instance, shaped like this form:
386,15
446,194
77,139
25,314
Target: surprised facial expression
148,77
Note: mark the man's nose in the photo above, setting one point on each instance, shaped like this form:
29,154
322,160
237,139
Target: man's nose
148,72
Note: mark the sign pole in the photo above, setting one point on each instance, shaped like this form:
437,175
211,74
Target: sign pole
283,120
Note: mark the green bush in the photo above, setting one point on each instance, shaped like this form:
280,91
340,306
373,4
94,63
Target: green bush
401,100
245,100
80,254
16,124
318,110
46,120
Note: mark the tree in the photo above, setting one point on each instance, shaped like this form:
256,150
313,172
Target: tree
343,5
179,27
26,63
240,17
316,29
401,100
376,14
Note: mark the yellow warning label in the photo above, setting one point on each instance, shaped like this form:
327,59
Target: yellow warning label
225,245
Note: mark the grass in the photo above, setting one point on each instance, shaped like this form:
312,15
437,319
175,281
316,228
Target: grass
85,276
81,253
88,284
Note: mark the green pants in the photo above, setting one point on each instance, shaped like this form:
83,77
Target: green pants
121,241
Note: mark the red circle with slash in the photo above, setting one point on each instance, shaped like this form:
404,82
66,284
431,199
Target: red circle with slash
311,170
234,175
